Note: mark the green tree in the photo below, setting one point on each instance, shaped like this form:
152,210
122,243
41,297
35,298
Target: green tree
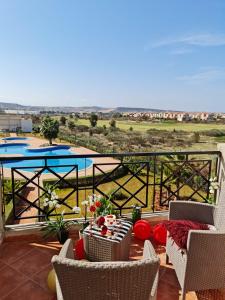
93,119
49,128
71,125
63,120
112,123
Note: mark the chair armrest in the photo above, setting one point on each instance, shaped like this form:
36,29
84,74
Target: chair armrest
194,211
67,250
149,251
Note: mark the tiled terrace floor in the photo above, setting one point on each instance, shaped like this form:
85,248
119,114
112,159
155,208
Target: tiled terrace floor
25,263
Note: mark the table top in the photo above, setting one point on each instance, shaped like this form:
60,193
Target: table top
118,231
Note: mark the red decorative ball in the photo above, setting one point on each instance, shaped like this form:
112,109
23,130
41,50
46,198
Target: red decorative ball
159,234
142,230
79,249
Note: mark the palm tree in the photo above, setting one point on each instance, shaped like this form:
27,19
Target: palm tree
49,128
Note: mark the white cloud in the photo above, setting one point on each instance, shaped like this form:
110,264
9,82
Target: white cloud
200,40
205,75
181,51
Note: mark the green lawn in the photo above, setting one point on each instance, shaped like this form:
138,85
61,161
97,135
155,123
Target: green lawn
169,125
132,186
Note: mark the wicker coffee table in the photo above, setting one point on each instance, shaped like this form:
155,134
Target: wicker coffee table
108,248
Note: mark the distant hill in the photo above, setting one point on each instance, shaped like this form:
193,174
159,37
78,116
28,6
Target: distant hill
136,109
4,105
69,109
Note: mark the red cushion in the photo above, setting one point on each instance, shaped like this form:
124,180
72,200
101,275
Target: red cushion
178,230
79,249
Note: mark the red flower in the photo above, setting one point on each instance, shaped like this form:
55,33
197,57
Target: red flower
98,204
104,230
92,208
100,221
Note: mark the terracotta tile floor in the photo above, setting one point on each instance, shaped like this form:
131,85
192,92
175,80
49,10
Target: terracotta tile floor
25,263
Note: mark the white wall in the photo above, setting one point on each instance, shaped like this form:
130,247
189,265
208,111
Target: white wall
26,125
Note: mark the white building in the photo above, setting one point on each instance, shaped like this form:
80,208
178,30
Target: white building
13,123
21,112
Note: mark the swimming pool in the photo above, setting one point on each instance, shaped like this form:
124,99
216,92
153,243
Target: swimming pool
60,165
16,138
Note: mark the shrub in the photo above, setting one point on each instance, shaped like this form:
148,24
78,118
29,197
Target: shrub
82,128
112,123
196,137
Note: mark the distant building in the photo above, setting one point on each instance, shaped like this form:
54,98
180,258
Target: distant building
13,123
21,112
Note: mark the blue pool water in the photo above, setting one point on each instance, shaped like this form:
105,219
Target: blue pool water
61,165
16,138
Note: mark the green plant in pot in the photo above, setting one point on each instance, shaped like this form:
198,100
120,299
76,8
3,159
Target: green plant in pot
57,227
136,213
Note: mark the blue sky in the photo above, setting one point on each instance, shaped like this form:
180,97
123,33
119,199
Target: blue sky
156,54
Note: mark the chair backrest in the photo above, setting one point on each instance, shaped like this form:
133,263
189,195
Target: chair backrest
83,280
220,209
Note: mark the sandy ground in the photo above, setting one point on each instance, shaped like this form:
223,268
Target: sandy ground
35,142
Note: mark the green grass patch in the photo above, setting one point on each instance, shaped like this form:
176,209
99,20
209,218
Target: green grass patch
164,125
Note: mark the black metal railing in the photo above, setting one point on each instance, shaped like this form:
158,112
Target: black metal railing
150,180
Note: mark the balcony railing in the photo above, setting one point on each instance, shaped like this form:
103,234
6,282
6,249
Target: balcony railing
150,180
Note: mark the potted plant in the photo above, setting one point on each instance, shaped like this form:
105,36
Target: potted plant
58,226
136,213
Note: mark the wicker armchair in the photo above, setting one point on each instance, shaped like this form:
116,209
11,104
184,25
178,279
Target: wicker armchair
133,280
202,265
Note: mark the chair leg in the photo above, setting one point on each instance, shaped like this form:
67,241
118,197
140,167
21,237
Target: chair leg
183,295
167,259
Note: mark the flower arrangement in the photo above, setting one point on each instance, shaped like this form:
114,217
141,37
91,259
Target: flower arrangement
91,205
51,199
97,206
101,210
214,186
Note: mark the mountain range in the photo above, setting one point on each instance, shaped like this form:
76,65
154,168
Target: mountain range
69,109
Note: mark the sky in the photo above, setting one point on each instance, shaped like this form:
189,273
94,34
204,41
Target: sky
166,54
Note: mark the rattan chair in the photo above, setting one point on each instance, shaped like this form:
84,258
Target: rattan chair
83,280
202,265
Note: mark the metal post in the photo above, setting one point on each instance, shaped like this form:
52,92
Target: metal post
38,178
1,209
